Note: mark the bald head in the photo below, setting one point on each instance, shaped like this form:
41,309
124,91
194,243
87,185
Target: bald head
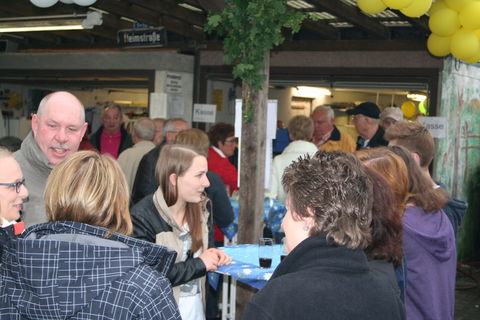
71,103
59,125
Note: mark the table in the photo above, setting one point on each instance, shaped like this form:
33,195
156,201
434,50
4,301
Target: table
273,213
243,268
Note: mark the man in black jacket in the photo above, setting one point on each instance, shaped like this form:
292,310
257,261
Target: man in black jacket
366,118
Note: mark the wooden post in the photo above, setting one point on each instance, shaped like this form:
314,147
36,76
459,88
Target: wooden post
252,175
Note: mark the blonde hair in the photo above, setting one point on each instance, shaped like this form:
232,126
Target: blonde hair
194,137
177,159
300,128
90,188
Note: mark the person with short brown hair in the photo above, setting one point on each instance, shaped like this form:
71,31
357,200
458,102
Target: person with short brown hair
222,146
416,138
327,227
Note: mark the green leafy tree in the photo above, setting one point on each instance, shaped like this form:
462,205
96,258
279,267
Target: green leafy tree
251,28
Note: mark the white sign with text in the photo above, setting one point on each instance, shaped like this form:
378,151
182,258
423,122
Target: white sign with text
204,112
173,83
436,125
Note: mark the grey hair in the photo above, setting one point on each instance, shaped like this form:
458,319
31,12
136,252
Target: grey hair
329,110
144,129
170,124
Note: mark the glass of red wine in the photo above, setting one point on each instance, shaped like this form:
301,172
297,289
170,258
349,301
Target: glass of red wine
265,252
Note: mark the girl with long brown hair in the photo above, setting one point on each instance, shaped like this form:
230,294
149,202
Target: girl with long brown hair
175,216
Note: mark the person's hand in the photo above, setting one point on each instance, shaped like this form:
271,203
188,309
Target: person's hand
223,258
212,258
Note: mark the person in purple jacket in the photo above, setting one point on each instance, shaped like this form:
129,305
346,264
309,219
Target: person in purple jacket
428,247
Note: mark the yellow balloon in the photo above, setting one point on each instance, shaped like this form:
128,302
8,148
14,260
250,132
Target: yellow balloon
417,9
371,6
422,107
464,44
470,15
474,59
444,22
437,5
438,46
408,109
397,4
456,4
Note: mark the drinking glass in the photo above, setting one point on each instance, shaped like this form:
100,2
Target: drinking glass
265,252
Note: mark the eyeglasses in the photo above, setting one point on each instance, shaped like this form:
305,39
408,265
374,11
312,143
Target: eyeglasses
17,185
233,140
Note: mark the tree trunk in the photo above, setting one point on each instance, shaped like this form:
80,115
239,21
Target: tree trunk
252,173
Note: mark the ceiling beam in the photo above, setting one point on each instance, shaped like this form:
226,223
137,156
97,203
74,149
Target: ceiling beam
172,9
340,45
20,9
324,29
352,45
420,23
352,15
149,17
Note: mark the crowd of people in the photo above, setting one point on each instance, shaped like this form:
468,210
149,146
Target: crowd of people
128,229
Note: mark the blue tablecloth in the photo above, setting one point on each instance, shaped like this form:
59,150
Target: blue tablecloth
273,213
245,267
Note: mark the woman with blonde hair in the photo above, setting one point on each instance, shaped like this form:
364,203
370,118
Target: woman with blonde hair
82,264
300,131
175,216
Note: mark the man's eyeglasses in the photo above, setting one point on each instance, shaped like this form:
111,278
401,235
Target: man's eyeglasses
232,140
17,185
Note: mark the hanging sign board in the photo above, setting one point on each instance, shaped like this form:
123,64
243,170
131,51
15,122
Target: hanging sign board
436,125
142,38
173,83
204,112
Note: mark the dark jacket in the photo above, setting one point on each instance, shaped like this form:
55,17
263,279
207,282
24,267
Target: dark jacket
70,270
145,182
147,223
320,281
376,141
125,142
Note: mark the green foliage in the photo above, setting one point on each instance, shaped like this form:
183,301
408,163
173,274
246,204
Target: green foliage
251,28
